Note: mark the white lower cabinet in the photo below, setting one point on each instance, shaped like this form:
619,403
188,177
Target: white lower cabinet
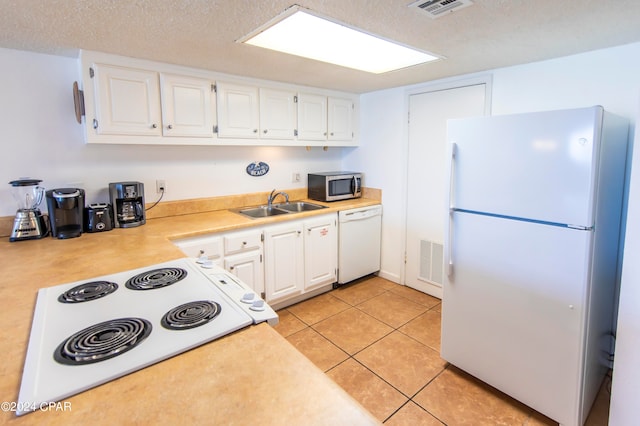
238,252
243,257
284,261
320,252
281,262
247,267
208,245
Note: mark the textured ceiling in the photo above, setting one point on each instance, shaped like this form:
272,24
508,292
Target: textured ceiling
202,34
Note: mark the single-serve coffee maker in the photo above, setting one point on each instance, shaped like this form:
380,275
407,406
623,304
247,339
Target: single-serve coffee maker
127,199
66,207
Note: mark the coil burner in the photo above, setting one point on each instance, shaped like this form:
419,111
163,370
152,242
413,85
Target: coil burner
88,291
191,315
156,278
102,341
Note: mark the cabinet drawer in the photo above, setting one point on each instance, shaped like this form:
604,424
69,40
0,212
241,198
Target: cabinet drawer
194,247
239,242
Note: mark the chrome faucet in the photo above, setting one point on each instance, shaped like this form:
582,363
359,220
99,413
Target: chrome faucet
273,196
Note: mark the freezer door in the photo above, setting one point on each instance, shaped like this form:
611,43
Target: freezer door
536,165
513,309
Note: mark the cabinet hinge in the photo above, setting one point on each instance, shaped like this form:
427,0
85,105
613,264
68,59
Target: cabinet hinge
260,258
91,72
295,132
262,238
295,99
263,296
214,88
95,123
215,129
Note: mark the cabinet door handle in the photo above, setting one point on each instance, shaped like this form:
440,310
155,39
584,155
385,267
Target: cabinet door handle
255,130
264,131
170,126
154,126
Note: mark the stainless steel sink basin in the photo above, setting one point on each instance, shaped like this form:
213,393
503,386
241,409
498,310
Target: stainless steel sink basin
277,209
262,211
299,206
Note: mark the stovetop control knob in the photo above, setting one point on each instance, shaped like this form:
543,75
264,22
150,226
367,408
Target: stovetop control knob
257,305
207,264
202,258
248,298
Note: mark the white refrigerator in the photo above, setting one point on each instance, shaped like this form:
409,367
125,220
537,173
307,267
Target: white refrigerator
531,253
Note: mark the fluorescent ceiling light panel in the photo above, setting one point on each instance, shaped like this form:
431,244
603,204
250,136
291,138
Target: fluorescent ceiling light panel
307,35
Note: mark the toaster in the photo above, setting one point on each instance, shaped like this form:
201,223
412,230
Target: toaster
97,218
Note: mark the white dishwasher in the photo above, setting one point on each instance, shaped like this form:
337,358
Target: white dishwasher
359,242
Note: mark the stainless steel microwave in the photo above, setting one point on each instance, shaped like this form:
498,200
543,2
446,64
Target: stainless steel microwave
334,186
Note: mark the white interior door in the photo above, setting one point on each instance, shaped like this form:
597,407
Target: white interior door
426,178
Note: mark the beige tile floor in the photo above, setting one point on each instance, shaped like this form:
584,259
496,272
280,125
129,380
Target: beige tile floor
380,341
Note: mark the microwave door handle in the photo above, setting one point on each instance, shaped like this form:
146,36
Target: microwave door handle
355,185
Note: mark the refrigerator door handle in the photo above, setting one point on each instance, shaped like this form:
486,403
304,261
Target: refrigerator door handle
449,235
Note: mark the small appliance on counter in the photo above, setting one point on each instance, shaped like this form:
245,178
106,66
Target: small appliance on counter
97,218
334,186
29,223
127,199
66,206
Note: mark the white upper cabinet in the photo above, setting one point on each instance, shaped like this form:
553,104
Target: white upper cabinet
186,106
127,101
312,117
238,111
325,118
277,114
134,101
340,119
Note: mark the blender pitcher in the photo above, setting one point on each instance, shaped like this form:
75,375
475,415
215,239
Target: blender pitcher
27,193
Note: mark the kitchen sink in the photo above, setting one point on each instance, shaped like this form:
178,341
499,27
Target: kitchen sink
278,209
299,206
262,211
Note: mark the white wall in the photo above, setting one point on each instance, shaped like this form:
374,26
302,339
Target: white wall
609,77
40,138
626,373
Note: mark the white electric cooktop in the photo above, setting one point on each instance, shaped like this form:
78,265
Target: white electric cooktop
89,332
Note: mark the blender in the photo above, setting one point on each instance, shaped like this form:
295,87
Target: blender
29,222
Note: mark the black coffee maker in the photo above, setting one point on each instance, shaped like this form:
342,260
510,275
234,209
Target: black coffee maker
66,206
127,199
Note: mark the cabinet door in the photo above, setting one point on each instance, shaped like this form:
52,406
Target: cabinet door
284,261
312,117
340,119
277,114
238,111
248,268
320,252
186,106
127,101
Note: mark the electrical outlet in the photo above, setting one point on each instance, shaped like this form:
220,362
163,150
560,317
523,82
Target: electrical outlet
295,177
161,186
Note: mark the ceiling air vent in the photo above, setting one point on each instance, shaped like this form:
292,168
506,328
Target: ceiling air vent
437,8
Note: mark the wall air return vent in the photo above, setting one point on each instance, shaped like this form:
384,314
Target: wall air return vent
437,8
